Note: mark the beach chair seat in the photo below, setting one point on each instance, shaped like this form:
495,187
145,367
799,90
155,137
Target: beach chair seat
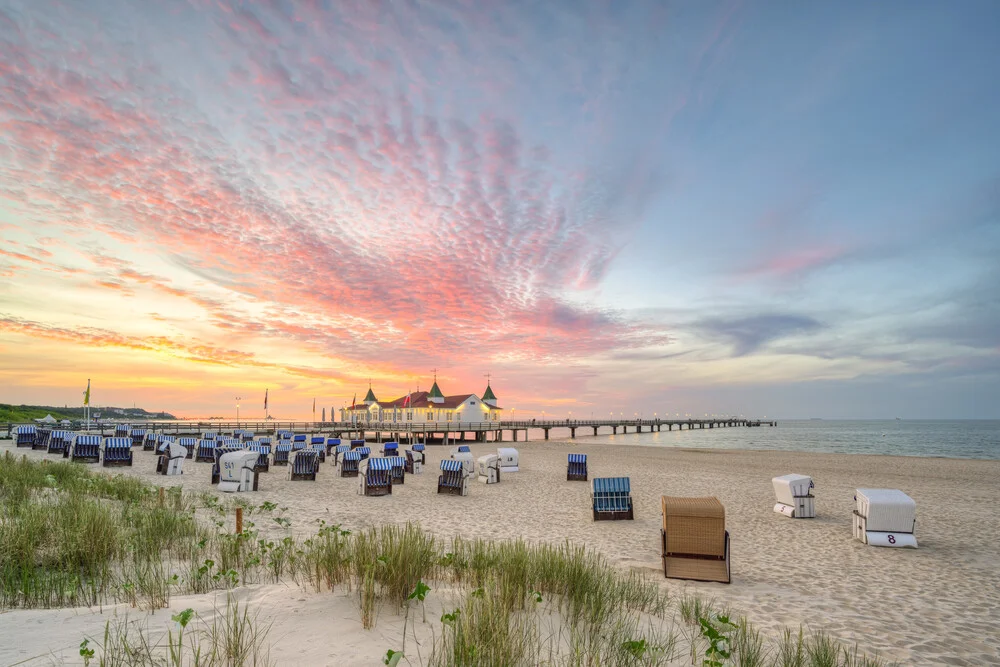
390,449
350,464
489,469
171,459
189,443
452,478
397,468
237,471
298,442
58,441
86,448
263,455
694,539
118,451
419,453
138,436
612,499
219,452
331,444
375,477
24,436
577,468
305,465
205,451
364,451
281,453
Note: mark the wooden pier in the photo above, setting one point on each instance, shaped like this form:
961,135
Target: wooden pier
443,432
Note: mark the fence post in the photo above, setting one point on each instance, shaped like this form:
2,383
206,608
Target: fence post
239,520
161,496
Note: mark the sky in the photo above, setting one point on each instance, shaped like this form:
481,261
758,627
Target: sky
612,208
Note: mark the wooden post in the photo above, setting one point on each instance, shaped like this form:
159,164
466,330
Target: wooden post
239,520
161,496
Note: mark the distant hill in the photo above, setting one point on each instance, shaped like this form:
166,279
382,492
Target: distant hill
24,413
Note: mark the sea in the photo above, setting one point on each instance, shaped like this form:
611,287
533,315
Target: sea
961,439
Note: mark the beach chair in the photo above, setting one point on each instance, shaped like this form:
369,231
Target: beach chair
419,455
577,470
468,463
339,451
357,443
42,439
375,477
122,430
284,435
305,465
237,471
209,435
247,436
228,441
397,468
509,459
57,441
364,451
318,445
298,442
885,518
489,469
117,451
263,456
171,459
794,496
390,449
264,440
205,451
413,463
86,449
281,453
138,435
189,444
694,539
24,436
219,452
612,499
331,443
349,465
452,478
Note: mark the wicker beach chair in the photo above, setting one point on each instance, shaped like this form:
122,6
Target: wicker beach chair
695,540
339,451
118,451
390,449
452,478
357,443
418,453
376,479
86,449
408,464
24,436
305,464
577,469
299,441
281,453
209,435
149,441
122,430
206,451
612,499
349,464
331,443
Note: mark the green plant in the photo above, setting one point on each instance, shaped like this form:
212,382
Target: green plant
86,652
715,629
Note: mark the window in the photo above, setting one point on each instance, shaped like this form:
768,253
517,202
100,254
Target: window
409,415
430,415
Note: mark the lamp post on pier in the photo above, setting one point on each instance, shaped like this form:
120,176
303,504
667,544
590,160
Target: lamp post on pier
238,412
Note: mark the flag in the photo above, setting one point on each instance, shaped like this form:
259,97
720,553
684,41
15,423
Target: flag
406,401
86,394
314,409
265,401
354,401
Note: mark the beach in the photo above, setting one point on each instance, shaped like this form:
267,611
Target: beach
938,604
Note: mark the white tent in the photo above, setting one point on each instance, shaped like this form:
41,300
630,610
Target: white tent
47,419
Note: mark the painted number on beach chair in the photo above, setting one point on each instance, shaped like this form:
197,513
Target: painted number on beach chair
229,465
892,539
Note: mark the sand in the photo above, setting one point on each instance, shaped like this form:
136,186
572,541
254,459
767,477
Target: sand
938,604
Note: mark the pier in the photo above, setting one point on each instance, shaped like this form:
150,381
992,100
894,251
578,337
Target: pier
434,432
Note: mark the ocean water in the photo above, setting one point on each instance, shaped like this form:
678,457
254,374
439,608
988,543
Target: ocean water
963,439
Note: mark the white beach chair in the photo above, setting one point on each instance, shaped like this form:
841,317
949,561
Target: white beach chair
489,469
794,497
885,518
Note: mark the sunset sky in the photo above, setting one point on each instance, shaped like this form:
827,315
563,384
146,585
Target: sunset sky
782,209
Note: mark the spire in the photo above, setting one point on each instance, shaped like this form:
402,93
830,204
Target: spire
435,396
370,396
489,398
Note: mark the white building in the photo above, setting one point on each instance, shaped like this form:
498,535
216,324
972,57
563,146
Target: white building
423,407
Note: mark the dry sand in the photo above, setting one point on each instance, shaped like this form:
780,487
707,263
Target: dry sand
939,604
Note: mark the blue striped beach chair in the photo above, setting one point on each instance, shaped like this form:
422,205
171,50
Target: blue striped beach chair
205,451
138,435
228,441
357,443
57,441
298,441
390,449
264,440
263,455
419,453
397,468
190,444
364,451
281,453
171,457
339,451
284,435
378,477
577,469
118,451
247,436
612,499
452,478
86,449
162,440
318,444
24,436
150,441
331,443
305,465
209,435
122,430
42,439
349,466
219,451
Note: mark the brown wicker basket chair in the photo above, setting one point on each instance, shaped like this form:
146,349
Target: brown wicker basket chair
695,539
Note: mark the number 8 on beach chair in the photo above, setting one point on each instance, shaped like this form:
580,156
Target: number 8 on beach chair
612,499
577,470
452,478
695,539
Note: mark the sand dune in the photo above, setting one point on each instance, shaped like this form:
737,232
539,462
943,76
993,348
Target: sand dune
937,604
